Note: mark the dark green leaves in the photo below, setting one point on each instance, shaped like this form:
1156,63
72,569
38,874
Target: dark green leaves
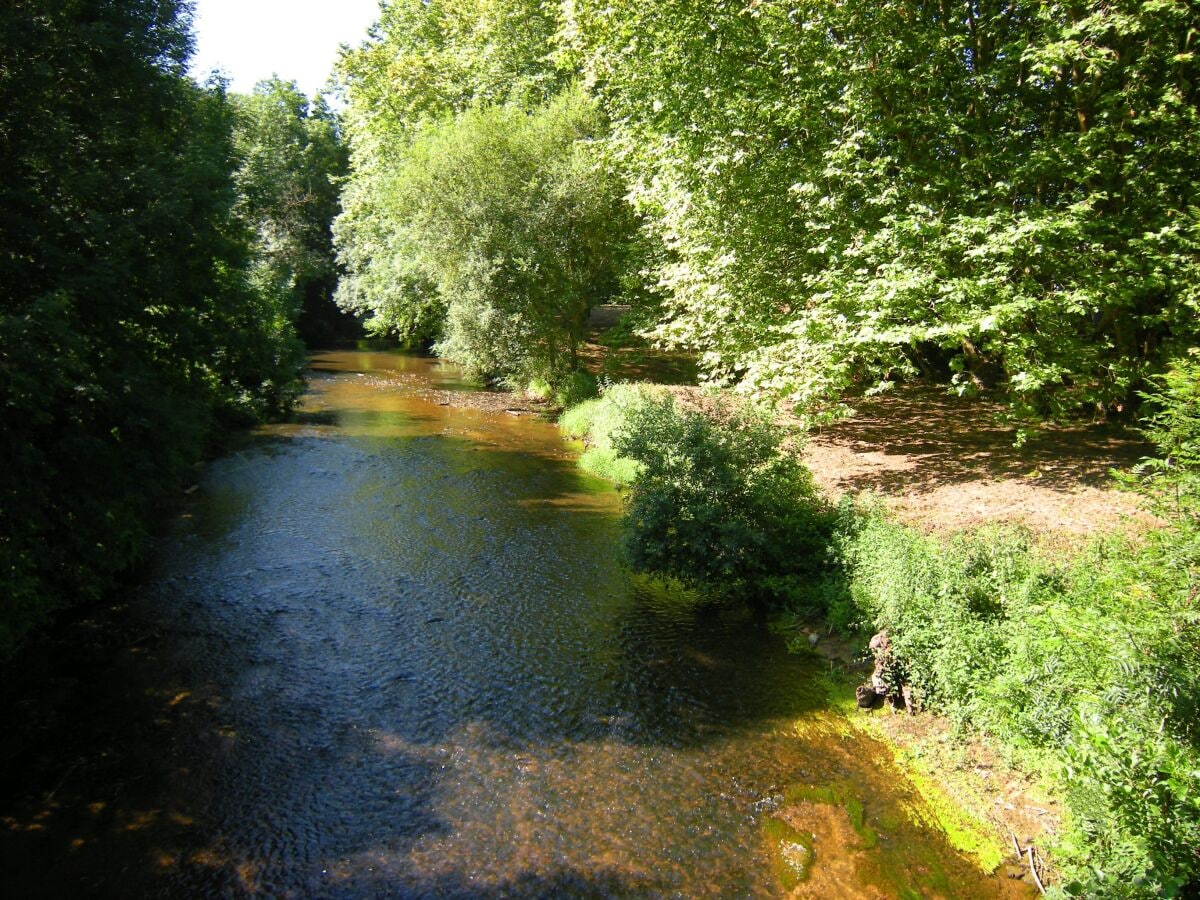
128,323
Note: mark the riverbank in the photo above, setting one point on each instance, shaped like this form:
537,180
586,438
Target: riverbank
935,461
1029,601
988,808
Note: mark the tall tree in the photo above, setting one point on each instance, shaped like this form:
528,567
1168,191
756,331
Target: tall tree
514,223
288,181
127,320
993,193
425,61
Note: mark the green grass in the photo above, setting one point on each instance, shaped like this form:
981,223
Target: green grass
595,421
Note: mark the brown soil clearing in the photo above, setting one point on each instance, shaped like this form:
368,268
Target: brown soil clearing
944,463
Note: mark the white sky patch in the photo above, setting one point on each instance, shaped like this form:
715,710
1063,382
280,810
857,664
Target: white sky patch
298,40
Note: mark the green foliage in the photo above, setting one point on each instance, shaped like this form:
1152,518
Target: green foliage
424,63
291,163
850,193
1172,479
570,390
504,219
128,322
718,503
1090,670
596,421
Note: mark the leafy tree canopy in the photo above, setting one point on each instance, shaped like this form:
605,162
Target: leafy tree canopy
288,180
852,193
128,322
513,221
478,211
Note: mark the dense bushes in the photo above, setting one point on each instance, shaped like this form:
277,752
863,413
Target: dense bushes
717,503
714,500
128,321
1089,670
596,421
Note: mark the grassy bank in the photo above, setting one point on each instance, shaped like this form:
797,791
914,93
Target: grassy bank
1083,668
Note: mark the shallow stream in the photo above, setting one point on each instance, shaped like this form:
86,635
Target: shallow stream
389,649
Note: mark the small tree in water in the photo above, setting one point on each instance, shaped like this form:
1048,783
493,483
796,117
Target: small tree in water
512,223
718,503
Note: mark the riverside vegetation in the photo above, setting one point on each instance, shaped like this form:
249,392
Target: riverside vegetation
813,200
161,240
1085,669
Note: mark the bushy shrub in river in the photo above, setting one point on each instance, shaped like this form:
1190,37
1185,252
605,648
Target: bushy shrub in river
717,502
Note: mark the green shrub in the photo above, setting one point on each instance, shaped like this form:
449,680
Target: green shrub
947,607
1172,478
1089,670
574,388
595,421
565,391
718,503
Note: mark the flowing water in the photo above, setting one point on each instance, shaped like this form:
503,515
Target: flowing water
389,650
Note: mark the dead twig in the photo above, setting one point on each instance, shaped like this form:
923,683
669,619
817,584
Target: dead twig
67,774
1033,870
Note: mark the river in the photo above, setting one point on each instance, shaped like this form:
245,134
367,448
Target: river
389,649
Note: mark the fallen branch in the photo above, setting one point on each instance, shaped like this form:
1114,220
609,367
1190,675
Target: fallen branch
62,781
1033,869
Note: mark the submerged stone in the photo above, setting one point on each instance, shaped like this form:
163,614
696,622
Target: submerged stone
791,852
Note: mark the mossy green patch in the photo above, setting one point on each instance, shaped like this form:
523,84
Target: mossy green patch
595,421
832,795
964,831
791,852
939,810
603,462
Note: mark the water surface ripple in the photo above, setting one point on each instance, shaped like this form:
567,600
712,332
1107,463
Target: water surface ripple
395,654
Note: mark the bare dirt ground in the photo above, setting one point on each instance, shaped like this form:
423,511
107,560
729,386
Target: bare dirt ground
943,463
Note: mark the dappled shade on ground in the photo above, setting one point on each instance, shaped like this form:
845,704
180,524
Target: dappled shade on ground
945,462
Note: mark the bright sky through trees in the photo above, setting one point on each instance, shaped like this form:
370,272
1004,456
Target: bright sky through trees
251,40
